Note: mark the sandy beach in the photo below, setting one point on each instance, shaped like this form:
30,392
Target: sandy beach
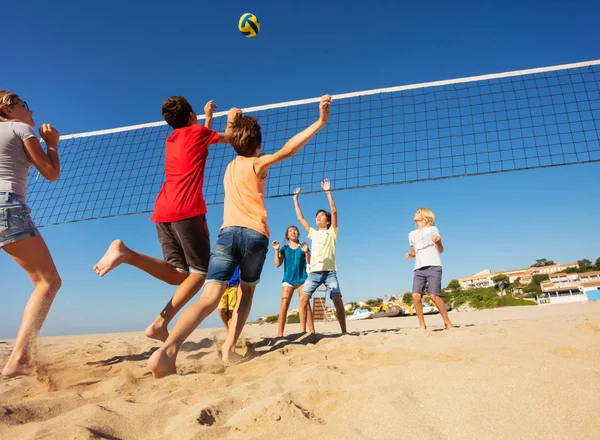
522,372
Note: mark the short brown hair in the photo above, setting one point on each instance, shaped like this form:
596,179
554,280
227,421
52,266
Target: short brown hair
245,136
176,111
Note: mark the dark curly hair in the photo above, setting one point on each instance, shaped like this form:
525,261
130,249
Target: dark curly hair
176,111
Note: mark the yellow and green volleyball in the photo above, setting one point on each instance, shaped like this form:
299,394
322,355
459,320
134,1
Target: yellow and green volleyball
249,25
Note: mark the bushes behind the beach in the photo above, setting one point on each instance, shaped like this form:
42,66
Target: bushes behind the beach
483,299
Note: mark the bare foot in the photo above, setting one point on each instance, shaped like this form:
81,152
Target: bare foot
159,333
14,369
448,326
161,365
423,327
231,357
115,255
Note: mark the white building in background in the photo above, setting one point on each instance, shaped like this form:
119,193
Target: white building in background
570,287
485,277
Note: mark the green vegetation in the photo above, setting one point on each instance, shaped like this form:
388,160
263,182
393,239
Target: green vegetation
272,318
407,298
501,278
484,299
542,262
374,302
583,265
453,286
293,319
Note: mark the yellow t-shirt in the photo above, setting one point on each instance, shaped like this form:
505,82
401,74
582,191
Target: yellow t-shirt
322,257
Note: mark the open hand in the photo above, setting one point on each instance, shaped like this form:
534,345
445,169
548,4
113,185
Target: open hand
296,192
326,184
275,245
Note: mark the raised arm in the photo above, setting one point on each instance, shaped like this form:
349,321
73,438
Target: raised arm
278,255
291,147
233,113
208,112
47,162
299,215
326,185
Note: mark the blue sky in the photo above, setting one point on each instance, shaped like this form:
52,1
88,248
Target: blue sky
86,67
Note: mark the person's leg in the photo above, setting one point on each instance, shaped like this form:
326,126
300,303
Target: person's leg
419,282
313,281
227,304
224,259
224,314
192,246
238,320
333,287
286,297
435,288
340,311
118,253
191,286
233,298
33,256
162,361
308,315
253,247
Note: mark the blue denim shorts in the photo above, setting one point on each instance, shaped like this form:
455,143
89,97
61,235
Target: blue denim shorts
327,278
238,246
15,219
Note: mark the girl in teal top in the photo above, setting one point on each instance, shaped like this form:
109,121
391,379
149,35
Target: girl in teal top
294,256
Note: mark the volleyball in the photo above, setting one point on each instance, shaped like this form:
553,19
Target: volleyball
249,25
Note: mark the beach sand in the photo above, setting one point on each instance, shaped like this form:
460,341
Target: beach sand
522,372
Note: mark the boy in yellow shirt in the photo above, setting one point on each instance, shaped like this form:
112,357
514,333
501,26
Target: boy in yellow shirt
322,262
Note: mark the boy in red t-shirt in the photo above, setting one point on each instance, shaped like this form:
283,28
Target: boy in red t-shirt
179,213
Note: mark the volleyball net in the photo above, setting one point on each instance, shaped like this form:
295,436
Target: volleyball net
494,123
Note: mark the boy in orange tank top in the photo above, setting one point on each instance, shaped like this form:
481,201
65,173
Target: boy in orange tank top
244,236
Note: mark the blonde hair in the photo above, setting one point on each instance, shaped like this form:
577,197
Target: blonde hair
6,98
428,215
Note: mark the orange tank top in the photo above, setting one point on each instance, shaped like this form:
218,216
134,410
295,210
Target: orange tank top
244,203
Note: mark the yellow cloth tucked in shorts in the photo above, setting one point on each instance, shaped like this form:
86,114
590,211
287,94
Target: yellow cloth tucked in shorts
229,298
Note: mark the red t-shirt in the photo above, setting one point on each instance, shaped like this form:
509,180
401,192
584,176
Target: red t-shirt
181,195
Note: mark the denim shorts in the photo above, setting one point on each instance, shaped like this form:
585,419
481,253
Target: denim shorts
15,219
430,275
238,246
327,278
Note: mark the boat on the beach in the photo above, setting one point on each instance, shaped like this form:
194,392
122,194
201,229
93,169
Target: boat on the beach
360,314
